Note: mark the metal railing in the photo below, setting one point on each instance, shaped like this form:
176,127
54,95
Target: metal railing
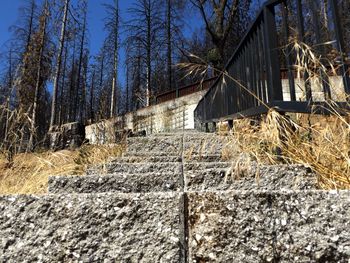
184,91
254,74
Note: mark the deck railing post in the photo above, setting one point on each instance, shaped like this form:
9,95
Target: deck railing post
272,56
206,127
320,48
230,124
301,38
340,46
289,51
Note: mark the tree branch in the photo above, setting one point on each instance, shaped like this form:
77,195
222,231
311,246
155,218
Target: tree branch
233,12
200,5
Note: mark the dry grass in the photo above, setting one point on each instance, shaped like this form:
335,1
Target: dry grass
319,142
30,172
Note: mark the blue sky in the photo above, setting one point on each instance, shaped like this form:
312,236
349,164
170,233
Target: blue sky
10,10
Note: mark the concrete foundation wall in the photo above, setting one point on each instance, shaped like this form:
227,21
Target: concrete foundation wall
335,83
176,114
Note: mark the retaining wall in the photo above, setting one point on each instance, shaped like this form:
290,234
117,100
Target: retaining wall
177,114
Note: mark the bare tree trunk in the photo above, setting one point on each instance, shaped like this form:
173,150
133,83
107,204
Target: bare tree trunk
30,32
61,117
81,58
114,84
127,87
59,62
71,100
83,95
30,146
30,29
101,70
92,117
115,58
138,81
7,108
101,78
148,55
7,123
169,46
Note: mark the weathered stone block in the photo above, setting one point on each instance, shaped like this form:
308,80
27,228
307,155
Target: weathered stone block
176,133
96,169
139,168
121,182
91,228
219,176
146,159
269,226
207,146
155,146
69,135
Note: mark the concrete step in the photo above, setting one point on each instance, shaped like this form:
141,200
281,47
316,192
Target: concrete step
269,226
197,147
149,154
200,166
138,168
204,158
163,145
159,156
225,176
175,133
91,228
117,182
198,176
98,169
146,159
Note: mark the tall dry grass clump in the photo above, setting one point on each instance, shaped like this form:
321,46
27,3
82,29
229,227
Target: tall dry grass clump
14,129
321,143
29,172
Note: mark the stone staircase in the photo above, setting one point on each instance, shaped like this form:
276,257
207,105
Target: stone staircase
175,197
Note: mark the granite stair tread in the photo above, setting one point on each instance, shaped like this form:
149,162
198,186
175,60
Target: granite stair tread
117,182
